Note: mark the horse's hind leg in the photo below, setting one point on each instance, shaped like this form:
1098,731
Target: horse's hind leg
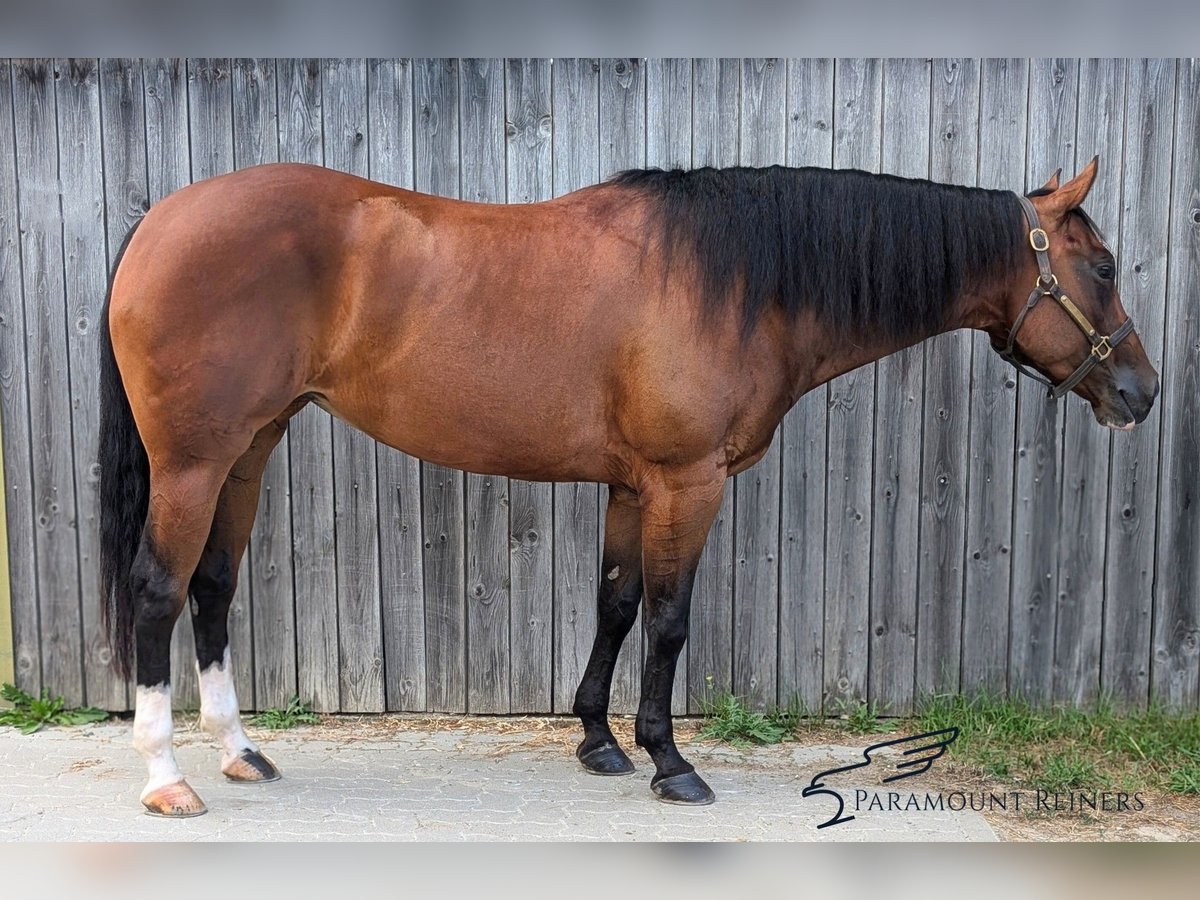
616,604
212,589
182,500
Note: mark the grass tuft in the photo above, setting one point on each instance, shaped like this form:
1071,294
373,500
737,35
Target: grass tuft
297,712
30,713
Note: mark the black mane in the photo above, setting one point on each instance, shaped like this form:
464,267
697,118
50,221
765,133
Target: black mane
867,252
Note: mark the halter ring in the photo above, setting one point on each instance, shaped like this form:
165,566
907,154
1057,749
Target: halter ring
1047,281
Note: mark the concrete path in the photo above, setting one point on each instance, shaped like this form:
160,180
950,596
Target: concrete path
386,779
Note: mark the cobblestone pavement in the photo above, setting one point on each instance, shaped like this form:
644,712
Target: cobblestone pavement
364,782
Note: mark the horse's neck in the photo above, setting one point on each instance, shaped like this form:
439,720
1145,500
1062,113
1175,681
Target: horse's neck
820,356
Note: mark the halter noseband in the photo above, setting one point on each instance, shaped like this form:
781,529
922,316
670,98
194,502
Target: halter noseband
1047,286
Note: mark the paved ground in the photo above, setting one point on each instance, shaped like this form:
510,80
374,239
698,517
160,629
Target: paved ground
368,779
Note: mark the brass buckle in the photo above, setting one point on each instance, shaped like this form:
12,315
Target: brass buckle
1039,240
1102,349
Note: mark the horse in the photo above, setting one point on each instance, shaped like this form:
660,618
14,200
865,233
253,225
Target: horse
648,332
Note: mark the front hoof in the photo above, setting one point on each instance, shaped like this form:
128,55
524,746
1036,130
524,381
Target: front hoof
687,789
251,767
607,759
174,801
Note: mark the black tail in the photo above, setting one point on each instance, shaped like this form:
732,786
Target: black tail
124,492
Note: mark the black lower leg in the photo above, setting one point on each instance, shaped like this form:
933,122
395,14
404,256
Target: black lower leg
616,610
675,779
212,589
158,600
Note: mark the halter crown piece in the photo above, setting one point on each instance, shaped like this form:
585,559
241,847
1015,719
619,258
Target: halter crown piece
1047,286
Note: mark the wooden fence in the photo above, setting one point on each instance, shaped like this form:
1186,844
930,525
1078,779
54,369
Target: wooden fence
922,524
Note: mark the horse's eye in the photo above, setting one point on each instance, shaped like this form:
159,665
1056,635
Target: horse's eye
1106,271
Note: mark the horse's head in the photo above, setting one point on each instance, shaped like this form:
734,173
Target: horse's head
1065,319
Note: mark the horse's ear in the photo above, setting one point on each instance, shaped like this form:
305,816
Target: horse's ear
1051,184
1072,194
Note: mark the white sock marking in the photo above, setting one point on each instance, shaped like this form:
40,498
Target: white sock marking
219,710
152,734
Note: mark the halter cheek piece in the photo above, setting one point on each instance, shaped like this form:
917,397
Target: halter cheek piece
1047,286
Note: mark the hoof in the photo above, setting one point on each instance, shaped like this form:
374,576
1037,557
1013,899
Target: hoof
687,789
607,759
251,767
174,801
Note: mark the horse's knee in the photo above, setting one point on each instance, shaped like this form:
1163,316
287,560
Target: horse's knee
157,593
215,578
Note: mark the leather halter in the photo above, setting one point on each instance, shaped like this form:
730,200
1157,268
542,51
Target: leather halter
1047,286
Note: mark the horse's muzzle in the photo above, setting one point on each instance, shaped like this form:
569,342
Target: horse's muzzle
1131,399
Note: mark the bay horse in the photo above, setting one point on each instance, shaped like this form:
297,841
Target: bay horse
648,332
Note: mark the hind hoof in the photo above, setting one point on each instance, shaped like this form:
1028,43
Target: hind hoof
687,789
251,767
607,759
174,801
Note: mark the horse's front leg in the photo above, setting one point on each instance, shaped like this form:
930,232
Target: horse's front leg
616,610
677,509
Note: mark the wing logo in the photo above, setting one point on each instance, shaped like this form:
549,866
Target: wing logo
917,754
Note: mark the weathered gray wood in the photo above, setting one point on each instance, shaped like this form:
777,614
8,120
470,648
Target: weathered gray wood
126,200
390,145
954,151
436,139
1083,478
210,117
356,524
1053,90
529,128
575,99
487,528
1003,99
856,144
81,175
310,440
669,146
14,404
715,130
34,105
763,132
1162,199
622,132
802,435
899,415
268,564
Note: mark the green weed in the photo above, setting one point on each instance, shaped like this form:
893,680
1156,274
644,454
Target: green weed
30,713
297,712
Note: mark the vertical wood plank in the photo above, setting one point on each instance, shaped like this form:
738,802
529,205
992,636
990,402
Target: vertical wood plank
1004,95
803,436
856,144
487,527
14,405
716,125
310,439
1084,475
356,524
529,165
436,139
575,98
1139,488
899,415
269,558
81,174
390,145
622,131
126,198
38,186
210,116
763,142
669,146
954,151
1053,91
